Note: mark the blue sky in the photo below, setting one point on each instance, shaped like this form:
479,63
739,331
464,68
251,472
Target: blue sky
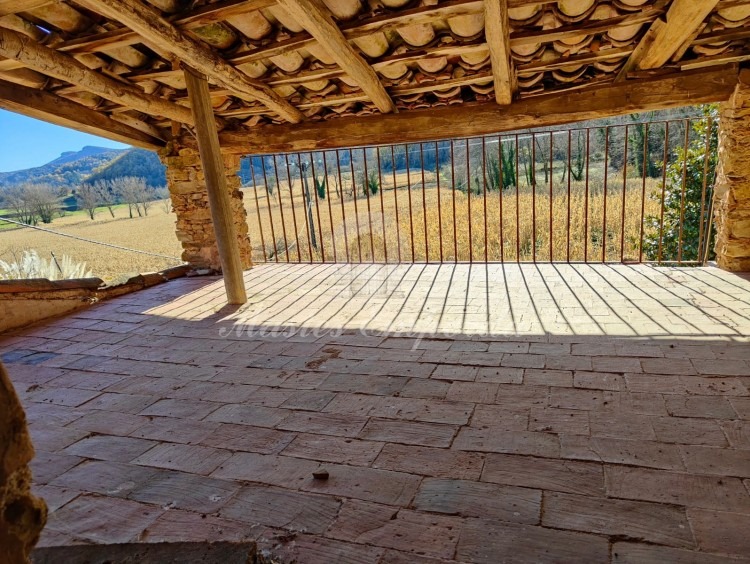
27,142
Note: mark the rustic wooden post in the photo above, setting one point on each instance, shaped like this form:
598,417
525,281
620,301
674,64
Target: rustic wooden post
216,185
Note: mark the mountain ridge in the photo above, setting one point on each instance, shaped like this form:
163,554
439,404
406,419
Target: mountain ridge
90,163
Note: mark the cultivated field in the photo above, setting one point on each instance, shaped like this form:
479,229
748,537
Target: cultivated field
154,233
404,222
399,222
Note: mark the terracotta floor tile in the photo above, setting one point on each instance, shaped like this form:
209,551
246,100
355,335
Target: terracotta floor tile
188,458
103,519
452,406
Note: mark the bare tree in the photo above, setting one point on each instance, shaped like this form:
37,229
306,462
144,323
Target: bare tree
17,201
144,198
129,190
42,200
88,198
105,190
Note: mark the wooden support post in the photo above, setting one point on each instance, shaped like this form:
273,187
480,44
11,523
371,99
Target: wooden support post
216,185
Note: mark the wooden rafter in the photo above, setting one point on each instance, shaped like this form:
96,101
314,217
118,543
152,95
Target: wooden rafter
162,35
317,20
64,67
213,13
15,6
46,106
679,89
663,40
497,33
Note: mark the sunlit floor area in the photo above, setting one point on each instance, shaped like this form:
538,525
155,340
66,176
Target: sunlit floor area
403,414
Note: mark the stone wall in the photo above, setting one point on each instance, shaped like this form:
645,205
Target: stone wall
22,516
190,202
732,190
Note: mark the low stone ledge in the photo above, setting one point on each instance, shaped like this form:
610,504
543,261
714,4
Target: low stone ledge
24,302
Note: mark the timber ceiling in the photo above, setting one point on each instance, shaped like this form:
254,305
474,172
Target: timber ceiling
290,61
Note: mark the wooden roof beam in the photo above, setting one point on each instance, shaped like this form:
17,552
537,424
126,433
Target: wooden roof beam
317,20
497,34
64,67
678,89
663,39
15,6
51,108
164,36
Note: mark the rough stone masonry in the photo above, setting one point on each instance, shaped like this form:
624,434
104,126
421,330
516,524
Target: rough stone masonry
22,515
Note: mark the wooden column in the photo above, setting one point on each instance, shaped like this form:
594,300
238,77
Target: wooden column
216,185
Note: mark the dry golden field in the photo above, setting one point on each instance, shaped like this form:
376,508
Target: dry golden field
387,228
154,233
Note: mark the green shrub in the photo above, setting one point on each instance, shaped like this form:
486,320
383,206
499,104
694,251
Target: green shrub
694,156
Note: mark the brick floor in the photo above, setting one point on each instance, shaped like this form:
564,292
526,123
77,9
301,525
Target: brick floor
524,418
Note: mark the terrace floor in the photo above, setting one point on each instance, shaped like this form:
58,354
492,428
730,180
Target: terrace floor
470,413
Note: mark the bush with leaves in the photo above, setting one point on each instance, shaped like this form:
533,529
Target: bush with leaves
690,161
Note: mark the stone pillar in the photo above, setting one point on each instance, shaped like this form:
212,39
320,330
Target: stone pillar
22,516
190,202
732,189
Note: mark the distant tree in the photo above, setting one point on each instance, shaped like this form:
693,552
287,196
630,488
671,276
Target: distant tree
107,196
16,200
35,202
130,191
88,198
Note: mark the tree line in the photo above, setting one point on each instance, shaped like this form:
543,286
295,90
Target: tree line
32,204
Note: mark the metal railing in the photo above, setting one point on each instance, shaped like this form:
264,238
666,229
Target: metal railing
637,192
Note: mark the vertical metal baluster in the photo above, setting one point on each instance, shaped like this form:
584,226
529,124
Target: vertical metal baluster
330,210
382,207
356,209
586,199
408,189
281,208
468,199
291,199
624,192
316,197
453,183
395,199
518,209
440,211
484,194
424,204
570,139
304,209
604,205
257,210
533,197
343,207
551,162
644,172
663,191
367,195
682,192
502,189
268,201
701,224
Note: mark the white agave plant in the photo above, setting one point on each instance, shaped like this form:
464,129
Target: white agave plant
31,265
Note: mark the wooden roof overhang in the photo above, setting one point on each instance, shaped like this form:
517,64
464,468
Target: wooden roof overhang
305,74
